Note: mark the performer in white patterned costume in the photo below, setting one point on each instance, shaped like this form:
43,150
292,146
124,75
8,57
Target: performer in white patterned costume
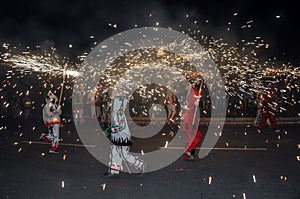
121,139
51,118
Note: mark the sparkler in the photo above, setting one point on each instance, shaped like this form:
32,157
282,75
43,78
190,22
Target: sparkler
62,84
46,63
196,109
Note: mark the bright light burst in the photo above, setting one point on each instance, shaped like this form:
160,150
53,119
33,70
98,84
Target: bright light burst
244,73
47,63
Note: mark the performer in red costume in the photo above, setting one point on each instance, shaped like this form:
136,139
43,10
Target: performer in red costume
191,121
267,106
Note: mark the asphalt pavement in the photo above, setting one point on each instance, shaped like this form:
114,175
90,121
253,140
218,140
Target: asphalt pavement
244,164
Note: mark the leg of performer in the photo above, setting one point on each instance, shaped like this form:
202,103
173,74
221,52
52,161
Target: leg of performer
93,113
115,164
169,111
187,128
55,139
132,160
191,148
258,118
47,137
124,154
174,111
274,123
264,117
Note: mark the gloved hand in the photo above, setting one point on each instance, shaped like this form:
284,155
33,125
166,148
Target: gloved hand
107,132
196,103
58,109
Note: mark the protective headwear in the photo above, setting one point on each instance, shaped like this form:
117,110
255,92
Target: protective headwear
51,98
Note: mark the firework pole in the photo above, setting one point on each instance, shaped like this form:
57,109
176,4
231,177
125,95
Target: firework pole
62,84
196,108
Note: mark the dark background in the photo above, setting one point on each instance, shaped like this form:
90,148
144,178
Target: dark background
32,173
61,22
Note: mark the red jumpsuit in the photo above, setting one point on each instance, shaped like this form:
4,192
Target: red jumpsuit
193,131
267,112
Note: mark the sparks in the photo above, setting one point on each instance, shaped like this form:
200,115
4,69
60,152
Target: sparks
209,180
103,186
166,145
254,178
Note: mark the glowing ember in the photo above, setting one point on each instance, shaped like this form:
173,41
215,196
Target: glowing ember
209,180
103,186
166,145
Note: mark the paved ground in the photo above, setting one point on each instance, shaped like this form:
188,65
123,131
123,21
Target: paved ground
271,171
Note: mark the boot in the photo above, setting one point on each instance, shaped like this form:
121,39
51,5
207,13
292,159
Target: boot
53,150
44,138
108,174
276,131
142,168
188,156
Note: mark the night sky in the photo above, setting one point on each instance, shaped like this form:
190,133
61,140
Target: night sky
61,22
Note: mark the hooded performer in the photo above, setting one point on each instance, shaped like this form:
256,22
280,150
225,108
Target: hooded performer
121,139
51,118
190,124
268,108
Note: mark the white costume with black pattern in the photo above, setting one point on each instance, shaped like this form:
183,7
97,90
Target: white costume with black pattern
121,139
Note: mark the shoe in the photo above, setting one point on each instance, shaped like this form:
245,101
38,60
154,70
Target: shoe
53,151
191,158
276,131
142,169
259,131
188,156
193,152
109,174
42,137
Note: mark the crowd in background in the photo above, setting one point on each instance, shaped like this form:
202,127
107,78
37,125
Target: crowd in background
17,107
